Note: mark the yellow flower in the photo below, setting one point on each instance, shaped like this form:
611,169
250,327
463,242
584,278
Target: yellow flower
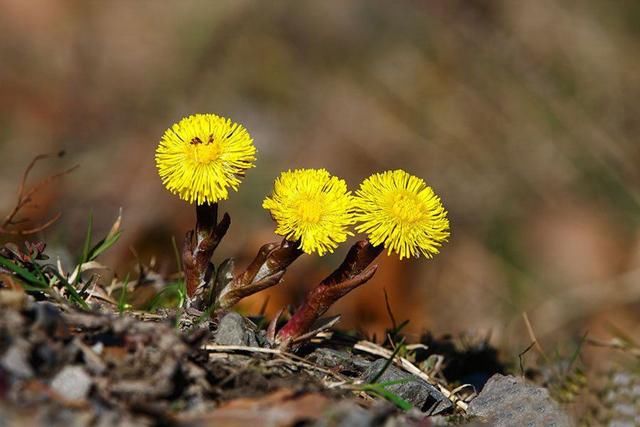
312,206
401,211
203,155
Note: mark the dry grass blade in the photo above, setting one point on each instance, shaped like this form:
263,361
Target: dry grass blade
534,340
617,344
371,348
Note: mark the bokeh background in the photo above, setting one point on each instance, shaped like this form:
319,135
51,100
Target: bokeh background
523,115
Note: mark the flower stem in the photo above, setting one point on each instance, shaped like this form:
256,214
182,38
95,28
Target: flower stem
265,270
198,248
354,271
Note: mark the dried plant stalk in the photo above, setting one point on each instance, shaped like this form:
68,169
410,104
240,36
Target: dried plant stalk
25,196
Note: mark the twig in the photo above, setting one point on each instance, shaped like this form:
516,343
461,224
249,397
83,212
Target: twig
371,348
25,197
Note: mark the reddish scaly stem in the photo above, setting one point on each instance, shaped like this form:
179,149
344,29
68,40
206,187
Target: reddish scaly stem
265,270
354,271
198,248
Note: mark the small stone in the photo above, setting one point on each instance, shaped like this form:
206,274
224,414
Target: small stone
621,379
508,401
624,410
618,423
234,329
72,383
416,391
15,360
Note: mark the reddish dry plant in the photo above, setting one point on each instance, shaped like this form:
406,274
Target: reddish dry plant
25,197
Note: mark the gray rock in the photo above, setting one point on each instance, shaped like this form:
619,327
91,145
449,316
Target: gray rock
416,391
330,358
16,359
233,329
72,383
507,401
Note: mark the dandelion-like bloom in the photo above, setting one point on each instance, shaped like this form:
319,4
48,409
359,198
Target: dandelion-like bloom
203,155
400,211
312,206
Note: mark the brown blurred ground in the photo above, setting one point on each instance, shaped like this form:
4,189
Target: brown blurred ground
524,117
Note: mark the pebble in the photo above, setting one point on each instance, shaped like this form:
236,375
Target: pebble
234,329
15,360
72,383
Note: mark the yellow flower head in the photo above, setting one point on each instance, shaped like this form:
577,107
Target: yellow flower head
203,155
400,211
312,206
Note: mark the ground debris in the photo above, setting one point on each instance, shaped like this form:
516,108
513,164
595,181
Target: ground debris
105,369
280,408
63,366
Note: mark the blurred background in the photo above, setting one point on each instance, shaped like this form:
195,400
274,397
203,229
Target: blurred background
523,116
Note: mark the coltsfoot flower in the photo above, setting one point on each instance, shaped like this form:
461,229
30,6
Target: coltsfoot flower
312,206
203,155
400,211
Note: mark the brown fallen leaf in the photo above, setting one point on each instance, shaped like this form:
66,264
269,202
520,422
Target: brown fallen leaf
281,408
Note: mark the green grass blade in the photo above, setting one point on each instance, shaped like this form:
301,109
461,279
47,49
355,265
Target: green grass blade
395,331
23,273
102,246
40,274
85,249
87,240
158,300
74,295
176,253
396,382
389,361
390,396
122,301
